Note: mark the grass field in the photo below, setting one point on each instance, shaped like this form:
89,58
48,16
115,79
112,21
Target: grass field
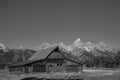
88,74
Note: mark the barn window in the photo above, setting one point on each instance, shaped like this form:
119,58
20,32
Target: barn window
59,64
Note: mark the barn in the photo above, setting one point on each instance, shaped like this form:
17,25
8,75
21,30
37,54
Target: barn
52,59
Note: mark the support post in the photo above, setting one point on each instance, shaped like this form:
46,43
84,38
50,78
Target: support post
81,68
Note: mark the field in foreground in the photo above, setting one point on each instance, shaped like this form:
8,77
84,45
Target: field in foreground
86,75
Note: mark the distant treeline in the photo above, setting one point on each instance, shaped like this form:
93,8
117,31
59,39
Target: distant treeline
14,56
89,60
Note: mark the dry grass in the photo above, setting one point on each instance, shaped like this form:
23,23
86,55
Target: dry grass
86,75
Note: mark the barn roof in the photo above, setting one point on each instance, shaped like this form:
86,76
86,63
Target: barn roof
42,54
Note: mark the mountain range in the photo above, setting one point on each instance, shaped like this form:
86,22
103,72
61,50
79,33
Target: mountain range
79,45
91,55
84,51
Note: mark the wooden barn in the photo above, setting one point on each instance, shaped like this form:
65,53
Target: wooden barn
52,59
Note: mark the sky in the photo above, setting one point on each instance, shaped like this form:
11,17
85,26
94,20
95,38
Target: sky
31,22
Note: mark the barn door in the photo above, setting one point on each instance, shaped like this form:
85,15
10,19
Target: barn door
26,69
51,68
39,68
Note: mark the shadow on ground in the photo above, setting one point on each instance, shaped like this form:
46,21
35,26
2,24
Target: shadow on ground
35,78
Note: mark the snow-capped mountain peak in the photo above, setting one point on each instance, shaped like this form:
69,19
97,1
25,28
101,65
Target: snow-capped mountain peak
43,46
89,42
2,46
102,44
61,44
80,46
77,42
88,46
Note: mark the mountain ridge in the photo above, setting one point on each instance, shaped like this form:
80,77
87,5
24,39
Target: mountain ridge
85,52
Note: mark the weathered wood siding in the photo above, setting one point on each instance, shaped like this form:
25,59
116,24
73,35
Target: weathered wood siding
55,55
70,63
72,68
55,62
26,69
16,69
55,67
39,68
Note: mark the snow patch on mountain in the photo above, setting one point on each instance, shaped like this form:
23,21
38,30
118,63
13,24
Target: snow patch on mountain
2,46
43,46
